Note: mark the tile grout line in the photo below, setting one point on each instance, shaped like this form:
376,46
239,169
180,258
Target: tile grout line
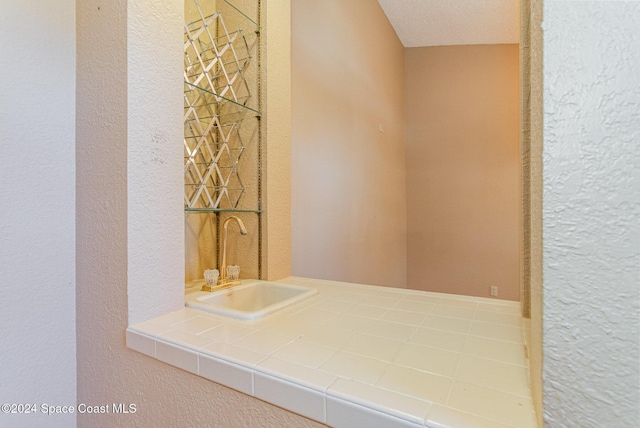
464,347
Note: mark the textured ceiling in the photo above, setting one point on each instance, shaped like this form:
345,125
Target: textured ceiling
454,22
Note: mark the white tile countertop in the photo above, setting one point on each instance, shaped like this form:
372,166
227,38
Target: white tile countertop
360,356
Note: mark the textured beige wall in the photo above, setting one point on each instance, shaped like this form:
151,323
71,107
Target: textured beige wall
108,372
37,209
535,350
155,214
463,169
525,150
276,192
591,213
348,159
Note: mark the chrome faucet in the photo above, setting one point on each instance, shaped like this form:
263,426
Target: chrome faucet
223,264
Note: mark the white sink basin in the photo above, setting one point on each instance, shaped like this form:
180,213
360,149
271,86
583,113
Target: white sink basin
249,300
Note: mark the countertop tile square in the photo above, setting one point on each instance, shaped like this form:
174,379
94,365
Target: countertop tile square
306,353
395,293
454,311
498,350
343,414
184,338
329,336
373,347
233,354
404,317
177,356
313,314
227,333
367,311
494,374
389,330
439,339
357,367
333,305
513,320
415,306
416,383
380,301
379,399
263,342
459,303
291,372
439,322
443,417
293,327
422,297
304,401
512,410
425,358
151,327
349,322
349,297
141,343
232,375
497,331
504,307
196,325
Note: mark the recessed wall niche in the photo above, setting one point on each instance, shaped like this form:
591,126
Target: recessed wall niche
222,133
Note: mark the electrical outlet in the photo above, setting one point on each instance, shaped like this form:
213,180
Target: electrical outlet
494,291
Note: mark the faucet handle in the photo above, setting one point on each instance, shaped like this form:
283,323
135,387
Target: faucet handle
211,276
233,272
